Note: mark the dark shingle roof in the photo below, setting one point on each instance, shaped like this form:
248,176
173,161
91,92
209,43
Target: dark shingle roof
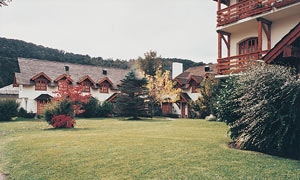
196,73
29,68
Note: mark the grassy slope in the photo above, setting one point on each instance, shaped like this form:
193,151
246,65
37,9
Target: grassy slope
151,149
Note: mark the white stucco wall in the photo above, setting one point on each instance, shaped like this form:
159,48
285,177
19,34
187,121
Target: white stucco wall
282,27
27,95
279,29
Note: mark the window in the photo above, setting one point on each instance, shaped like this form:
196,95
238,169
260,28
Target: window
41,84
104,88
248,46
86,86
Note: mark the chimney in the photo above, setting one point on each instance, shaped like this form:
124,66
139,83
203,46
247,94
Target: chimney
206,68
104,72
177,69
67,69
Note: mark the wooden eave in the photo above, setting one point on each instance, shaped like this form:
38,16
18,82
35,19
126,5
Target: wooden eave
178,81
63,76
184,97
39,75
286,41
105,79
194,78
87,77
112,98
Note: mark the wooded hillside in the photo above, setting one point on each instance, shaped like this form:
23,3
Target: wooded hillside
11,49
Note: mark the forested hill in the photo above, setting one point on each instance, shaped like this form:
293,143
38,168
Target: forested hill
11,49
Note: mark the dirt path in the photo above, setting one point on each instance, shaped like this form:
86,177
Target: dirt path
2,176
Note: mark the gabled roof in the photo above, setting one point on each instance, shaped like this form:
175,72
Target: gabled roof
39,75
184,97
287,40
63,76
112,98
43,97
31,67
10,89
195,78
86,77
196,74
105,79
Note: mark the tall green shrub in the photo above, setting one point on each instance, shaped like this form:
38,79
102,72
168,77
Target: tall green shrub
8,109
91,108
268,109
225,106
106,109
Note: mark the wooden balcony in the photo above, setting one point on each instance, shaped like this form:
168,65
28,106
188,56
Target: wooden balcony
236,64
249,8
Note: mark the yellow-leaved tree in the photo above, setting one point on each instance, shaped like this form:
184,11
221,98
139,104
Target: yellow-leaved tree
162,88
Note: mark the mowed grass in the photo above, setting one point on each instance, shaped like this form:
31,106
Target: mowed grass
148,149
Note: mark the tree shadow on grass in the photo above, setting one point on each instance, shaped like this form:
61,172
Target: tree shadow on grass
68,129
147,119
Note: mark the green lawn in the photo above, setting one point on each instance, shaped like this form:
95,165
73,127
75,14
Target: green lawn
149,149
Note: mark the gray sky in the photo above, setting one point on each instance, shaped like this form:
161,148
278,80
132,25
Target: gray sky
123,29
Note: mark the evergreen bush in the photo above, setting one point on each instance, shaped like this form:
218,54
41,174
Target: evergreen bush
24,114
8,109
266,111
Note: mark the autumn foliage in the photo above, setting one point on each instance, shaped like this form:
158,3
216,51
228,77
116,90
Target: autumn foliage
68,102
62,121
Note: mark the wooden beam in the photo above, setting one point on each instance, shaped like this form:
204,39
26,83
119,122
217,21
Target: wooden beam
219,46
259,33
221,36
265,25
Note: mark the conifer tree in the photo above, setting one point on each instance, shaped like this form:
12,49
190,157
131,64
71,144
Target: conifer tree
132,101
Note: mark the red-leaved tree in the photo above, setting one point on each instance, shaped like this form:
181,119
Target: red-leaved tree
67,92
68,102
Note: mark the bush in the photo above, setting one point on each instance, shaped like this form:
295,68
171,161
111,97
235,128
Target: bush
62,121
24,114
203,106
94,109
8,109
225,106
91,108
55,108
267,106
106,109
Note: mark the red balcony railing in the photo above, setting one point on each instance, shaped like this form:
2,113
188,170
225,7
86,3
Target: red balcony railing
248,8
236,64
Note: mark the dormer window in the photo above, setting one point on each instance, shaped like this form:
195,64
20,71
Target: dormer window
104,88
86,86
105,85
87,83
41,81
41,84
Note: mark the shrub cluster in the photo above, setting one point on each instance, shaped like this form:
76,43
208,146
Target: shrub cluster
53,111
24,114
8,109
262,108
95,109
62,121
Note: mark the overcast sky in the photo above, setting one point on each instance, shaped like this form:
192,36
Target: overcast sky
123,29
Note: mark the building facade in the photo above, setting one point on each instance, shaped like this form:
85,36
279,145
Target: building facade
249,29
38,79
189,83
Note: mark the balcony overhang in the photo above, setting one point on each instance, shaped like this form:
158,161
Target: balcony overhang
231,17
226,2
